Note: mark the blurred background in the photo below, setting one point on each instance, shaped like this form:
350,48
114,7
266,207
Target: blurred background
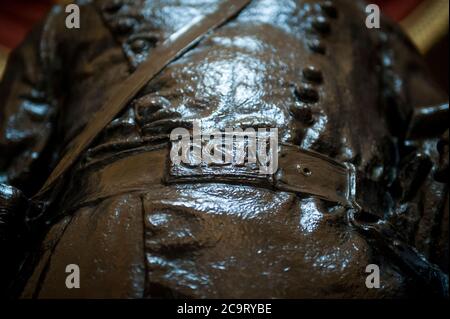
425,21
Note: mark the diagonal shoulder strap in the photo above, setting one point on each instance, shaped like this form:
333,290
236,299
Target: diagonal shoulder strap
169,50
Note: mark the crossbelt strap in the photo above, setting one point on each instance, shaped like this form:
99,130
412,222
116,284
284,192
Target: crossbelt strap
169,50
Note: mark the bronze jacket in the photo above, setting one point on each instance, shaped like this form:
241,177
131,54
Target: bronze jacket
309,68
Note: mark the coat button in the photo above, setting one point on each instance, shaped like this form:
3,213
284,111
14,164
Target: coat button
139,46
312,74
303,113
124,25
307,94
321,24
329,8
113,6
316,46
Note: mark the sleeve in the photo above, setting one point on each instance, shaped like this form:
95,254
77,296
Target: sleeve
29,95
421,112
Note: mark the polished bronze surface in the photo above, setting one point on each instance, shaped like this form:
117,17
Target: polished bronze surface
311,69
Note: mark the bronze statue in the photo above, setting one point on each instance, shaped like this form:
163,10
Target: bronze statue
340,95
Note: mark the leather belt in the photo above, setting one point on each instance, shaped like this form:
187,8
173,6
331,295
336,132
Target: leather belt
299,171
